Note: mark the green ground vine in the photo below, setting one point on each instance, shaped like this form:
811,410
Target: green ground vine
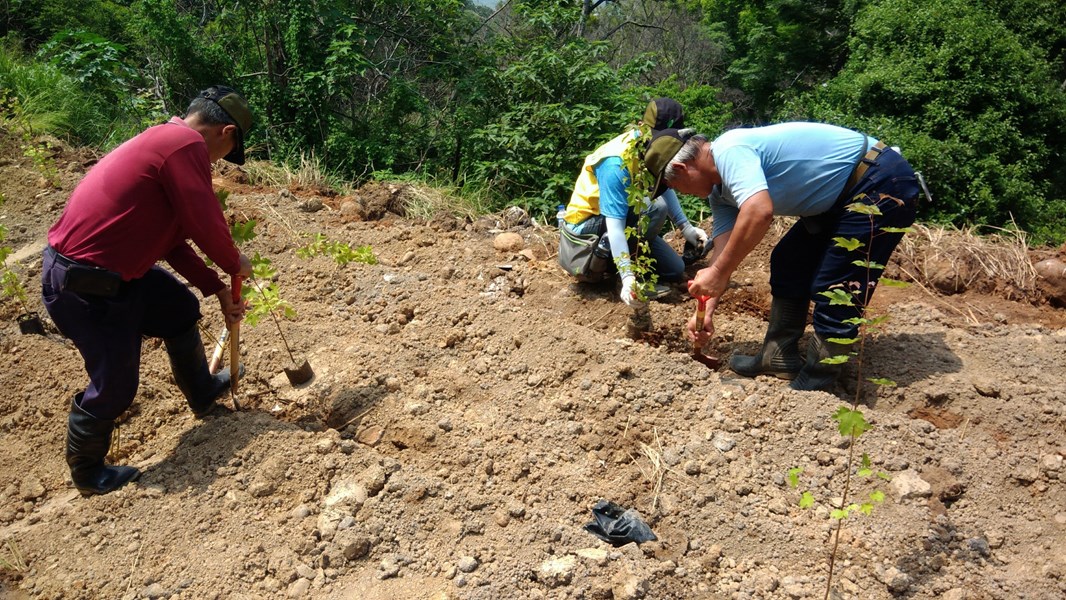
342,253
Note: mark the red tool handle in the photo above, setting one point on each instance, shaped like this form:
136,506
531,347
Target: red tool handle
701,313
235,287
701,309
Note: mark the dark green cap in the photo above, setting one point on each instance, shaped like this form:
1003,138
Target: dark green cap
237,108
664,113
664,146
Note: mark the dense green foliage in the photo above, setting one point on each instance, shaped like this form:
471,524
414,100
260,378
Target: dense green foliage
971,102
510,100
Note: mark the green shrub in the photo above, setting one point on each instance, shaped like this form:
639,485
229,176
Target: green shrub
39,98
971,103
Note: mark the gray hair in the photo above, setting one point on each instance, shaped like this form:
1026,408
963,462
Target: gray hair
210,112
687,153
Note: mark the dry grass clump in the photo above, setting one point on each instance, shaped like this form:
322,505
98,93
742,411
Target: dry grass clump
305,173
952,261
956,260
11,558
427,201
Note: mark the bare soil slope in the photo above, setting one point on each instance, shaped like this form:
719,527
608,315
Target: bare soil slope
469,408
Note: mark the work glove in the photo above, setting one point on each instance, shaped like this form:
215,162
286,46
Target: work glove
694,235
629,291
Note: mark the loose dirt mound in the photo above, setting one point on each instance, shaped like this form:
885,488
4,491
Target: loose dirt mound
470,407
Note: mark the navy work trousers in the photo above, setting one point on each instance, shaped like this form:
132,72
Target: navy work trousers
107,331
807,262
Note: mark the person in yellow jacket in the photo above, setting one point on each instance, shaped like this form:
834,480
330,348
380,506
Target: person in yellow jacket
599,205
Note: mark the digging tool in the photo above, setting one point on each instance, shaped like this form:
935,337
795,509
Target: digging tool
300,374
697,350
215,363
297,373
235,344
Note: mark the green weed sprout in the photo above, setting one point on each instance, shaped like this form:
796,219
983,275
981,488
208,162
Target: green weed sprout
342,253
38,152
10,283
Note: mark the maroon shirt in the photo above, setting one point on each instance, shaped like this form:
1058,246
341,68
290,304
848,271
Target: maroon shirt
141,203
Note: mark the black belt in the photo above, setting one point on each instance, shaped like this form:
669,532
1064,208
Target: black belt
81,278
60,258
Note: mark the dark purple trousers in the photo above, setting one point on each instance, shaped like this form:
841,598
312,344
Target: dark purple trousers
108,331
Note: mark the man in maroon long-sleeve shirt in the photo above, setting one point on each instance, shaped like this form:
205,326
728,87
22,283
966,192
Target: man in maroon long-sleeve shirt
100,283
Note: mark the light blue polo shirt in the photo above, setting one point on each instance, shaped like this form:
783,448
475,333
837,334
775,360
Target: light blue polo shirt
804,167
613,179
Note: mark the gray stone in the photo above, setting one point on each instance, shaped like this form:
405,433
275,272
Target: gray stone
1051,463
1026,475
467,564
261,489
897,581
671,457
389,568
723,443
31,489
325,445
299,588
765,582
980,546
909,484
351,543
557,571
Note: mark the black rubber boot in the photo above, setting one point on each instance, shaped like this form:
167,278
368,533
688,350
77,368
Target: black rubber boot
780,354
188,361
88,440
815,374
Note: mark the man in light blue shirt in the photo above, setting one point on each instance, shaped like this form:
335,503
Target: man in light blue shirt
808,170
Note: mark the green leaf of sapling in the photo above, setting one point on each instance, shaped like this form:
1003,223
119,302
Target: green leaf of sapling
850,422
864,209
838,297
849,244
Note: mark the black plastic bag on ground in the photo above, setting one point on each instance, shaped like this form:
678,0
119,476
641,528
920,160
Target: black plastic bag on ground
618,526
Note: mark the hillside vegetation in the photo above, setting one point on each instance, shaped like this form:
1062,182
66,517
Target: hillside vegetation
508,98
